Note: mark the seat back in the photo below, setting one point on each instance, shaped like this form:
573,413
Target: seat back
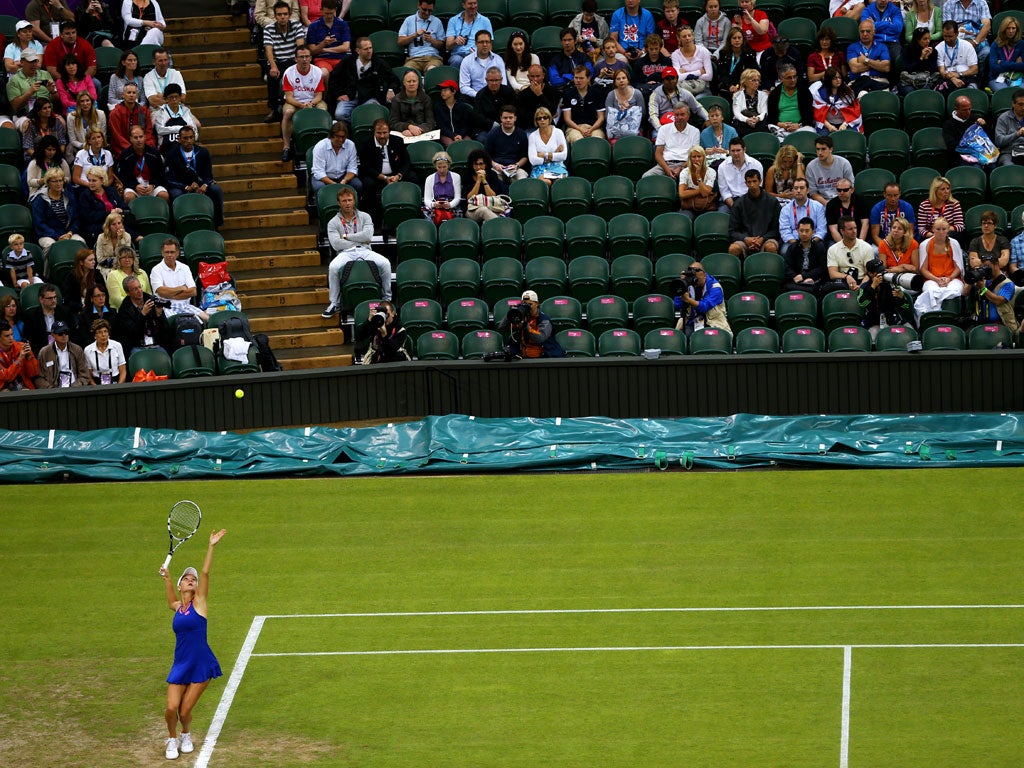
415,239
656,195
501,237
711,233
546,275
849,338
668,268
543,236
839,308
726,268
631,276
564,311
193,211
619,342
588,277
458,238
606,312
894,338
478,343
437,345
629,233
667,340
586,235
671,233
944,337
613,195
400,202
466,314
632,157
803,339
415,279
193,360
419,316
570,197
652,311
756,341
501,277
577,342
457,279
529,199
591,158
990,336
748,309
710,341
764,272
794,309
150,359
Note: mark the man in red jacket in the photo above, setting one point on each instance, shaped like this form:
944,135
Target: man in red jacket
125,115
18,366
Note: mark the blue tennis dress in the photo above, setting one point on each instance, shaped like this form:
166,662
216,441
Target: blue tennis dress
194,662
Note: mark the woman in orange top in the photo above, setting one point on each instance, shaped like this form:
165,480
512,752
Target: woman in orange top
942,265
899,251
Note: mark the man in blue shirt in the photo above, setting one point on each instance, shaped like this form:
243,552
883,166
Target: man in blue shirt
800,207
423,34
629,27
869,61
888,26
888,210
707,311
987,296
563,64
462,29
328,39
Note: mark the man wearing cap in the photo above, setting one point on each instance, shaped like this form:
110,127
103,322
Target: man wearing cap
19,368
28,84
69,42
453,116
473,69
23,33
423,35
533,336
662,104
62,363
462,30
360,79
335,160
582,108
672,147
39,320
45,17
703,304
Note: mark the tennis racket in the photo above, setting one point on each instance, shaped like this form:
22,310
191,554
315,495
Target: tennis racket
182,523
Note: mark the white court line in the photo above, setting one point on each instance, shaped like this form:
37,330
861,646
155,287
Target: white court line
844,738
633,648
532,612
206,752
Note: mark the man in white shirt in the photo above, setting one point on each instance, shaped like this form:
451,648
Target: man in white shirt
957,58
173,281
799,207
732,184
335,160
159,77
350,234
848,258
473,69
303,86
825,171
672,147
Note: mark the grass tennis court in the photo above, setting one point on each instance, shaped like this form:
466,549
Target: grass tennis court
529,620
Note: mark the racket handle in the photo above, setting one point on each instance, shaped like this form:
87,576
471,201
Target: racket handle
167,562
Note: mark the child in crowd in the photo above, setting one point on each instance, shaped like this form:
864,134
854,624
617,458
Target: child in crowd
21,263
712,29
668,25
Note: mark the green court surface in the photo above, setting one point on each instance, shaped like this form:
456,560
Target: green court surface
859,618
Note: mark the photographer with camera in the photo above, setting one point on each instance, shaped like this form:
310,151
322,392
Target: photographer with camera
700,298
882,301
532,334
381,339
140,320
990,294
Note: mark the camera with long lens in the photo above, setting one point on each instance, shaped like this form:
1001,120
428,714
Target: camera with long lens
977,274
158,301
682,284
379,319
516,315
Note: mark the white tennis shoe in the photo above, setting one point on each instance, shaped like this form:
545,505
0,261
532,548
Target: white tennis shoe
186,743
171,753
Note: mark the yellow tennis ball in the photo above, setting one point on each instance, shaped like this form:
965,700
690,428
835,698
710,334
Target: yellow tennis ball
239,393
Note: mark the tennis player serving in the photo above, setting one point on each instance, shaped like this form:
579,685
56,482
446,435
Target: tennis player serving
194,663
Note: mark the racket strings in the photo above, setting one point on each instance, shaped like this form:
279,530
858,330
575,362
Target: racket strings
184,520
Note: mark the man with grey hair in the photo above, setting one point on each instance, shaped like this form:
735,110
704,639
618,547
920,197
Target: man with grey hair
869,61
790,108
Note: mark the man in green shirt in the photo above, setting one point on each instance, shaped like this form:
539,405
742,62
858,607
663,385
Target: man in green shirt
790,108
27,85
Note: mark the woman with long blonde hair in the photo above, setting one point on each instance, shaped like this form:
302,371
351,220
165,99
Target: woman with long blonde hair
787,168
940,202
697,184
1005,65
942,266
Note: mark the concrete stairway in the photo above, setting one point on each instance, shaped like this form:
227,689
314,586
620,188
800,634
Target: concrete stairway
271,245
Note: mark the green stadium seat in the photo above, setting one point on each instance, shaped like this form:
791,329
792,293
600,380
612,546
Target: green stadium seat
970,185
804,339
61,260
437,345
613,196
107,60
203,245
570,197
588,277
445,9
367,17
565,312
1016,221
547,276
764,272
711,233
498,12
501,237
839,308
309,126
756,341
415,279
629,233
668,341
467,314
586,235
11,152
385,45
421,156
363,118
10,185
1002,101
656,195
327,205
849,338
915,183
561,12
879,109
226,367
894,338
794,309
923,108
149,249
419,316
434,77
458,238
972,220
528,14
671,233
150,359
145,53
762,146
192,211
501,277
845,29
946,315
707,101
577,342
529,199
400,202
459,151
777,10
619,342
853,146
710,341
192,361
944,338
990,336
804,143
543,236
870,183
361,284
652,311
545,41
458,279
889,148
748,309
1006,185
801,31
726,268
590,158
631,276
668,268
632,157
605,313
398,10
476,344
415,239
